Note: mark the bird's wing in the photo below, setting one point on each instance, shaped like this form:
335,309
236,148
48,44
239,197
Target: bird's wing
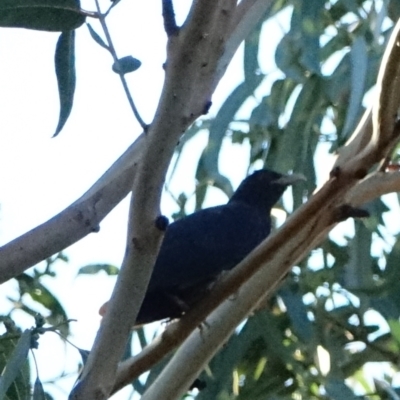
199,247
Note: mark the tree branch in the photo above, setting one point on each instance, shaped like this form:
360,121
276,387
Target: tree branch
375,134
260,272
196,51
371,187
269,262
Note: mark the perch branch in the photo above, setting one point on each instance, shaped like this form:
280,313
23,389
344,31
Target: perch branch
376,134
283,249
269,262
196,51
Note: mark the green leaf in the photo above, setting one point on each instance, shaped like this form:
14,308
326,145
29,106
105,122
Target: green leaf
95,36
42,295
394,326
293,149
287,56
394,10
96,268
359,64
126,64
15,362
43,15
338,390
65,72
297,311
311,29
38,392
358,271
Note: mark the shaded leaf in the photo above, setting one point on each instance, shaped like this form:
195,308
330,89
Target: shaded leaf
359,64
66,78
311,29
300,136
287,56
84,355
38,392
42,295
385,390
96,37
15,362
44,15
358,270
297,312
394,10
96,268
338,390
126,64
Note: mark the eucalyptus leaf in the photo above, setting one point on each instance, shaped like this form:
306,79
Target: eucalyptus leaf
126,64
38,391
15,362
66,78
96,268
96,37
43,15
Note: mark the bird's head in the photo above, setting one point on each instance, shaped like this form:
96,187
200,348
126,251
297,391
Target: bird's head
264,188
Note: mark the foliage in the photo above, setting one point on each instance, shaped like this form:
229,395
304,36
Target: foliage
329,59
339,309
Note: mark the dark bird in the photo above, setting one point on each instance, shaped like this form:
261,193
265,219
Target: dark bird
198,248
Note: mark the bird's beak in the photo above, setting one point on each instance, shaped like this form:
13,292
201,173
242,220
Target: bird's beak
288,180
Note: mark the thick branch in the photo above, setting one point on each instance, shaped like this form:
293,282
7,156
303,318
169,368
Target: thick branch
376,134
271,261
302,232
189,83
267,264
373,186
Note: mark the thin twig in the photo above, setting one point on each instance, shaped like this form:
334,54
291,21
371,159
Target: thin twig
112,51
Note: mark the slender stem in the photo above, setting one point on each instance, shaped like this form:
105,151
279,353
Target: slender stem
112,51
113,4
34,359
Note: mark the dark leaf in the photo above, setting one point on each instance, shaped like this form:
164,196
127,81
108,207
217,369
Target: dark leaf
44,15
95,36
38,292
65,72
359,67
358,270
84,355
287,58
394,10
15,362
38,392
297,312
338,390
385,390
311,29
126,64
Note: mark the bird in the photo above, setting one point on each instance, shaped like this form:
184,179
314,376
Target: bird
198,248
